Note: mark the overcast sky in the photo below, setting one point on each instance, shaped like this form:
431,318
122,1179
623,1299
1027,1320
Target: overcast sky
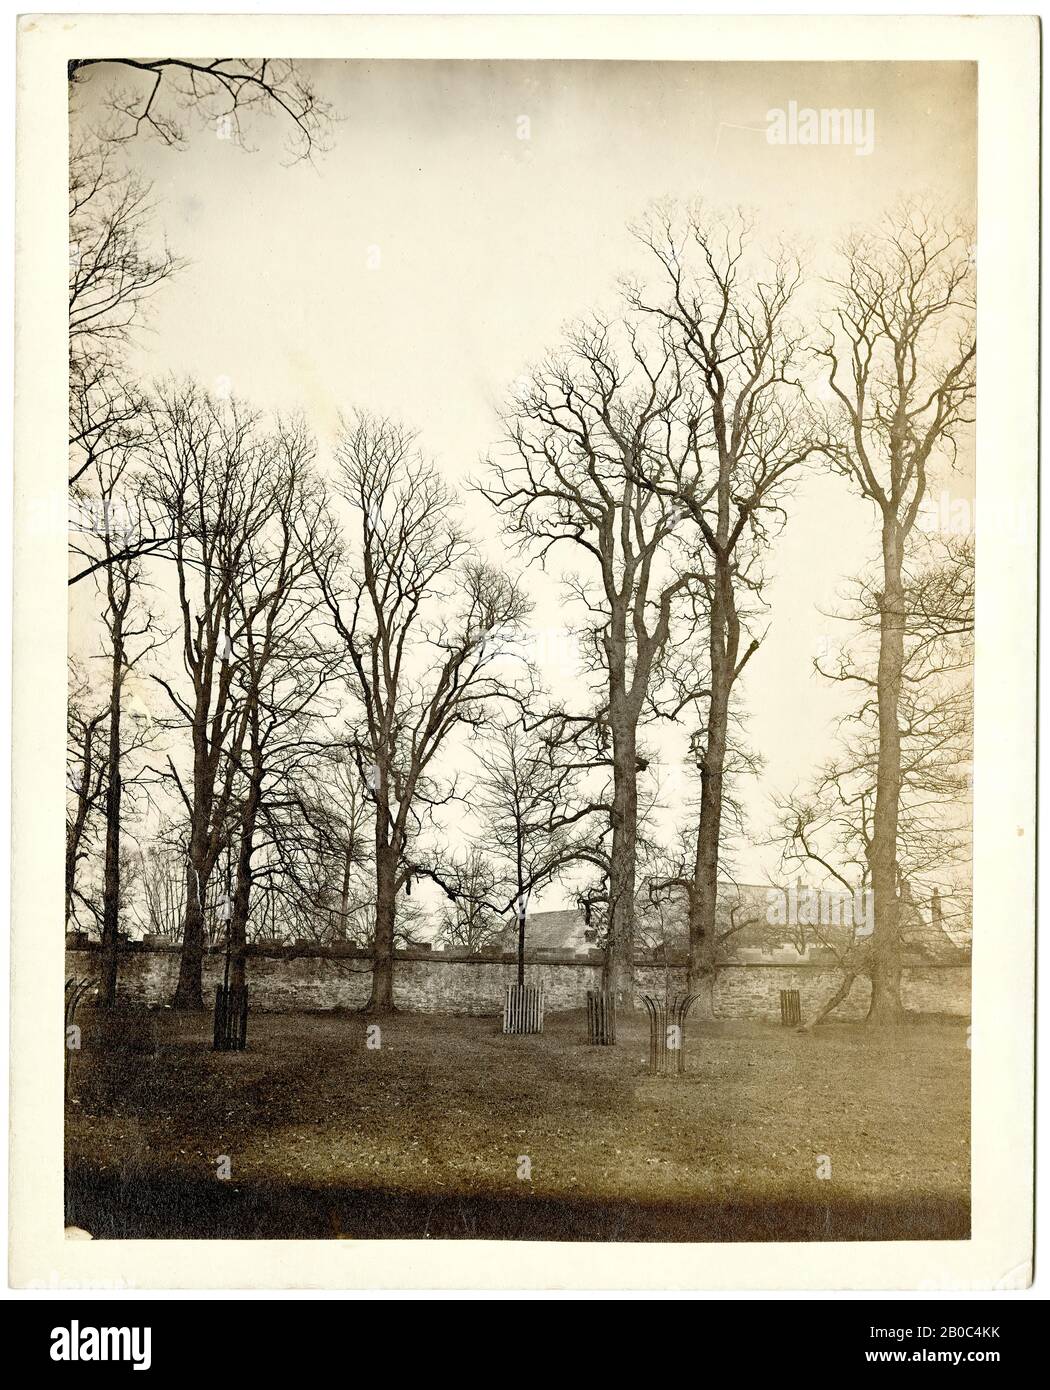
423,262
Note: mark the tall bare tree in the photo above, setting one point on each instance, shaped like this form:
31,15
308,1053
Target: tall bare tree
131,634
594,422
210,472
421,619
901,357
727,311
281,668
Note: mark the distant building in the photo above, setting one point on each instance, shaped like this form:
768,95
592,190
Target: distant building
562,930
763,923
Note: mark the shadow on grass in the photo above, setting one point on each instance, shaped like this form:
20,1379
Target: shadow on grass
160,1207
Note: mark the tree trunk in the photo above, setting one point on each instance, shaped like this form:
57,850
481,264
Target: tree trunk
344,891
188,992
382,997
843,992
75,831
882,852
702,984
521,940
703,899
243,887
518,849
71,873
618,975
107,992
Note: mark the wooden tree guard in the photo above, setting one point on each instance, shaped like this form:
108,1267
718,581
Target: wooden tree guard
231,1018
523,1009
790,1008
601,1017
667,1034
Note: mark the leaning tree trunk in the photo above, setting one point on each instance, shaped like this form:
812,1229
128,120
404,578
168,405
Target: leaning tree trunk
75,829
618,974
886,1004
843,992
107,992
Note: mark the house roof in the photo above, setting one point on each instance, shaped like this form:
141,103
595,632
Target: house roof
752,917
561,930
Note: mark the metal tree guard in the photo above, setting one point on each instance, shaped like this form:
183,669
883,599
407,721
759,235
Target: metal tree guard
231,1004
601,1017
667,1033
75,991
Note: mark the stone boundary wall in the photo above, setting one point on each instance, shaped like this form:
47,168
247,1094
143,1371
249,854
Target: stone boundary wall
288,978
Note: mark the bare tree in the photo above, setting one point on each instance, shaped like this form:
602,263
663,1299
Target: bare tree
85,772
218,91
901,355
471,919
677,876
209,478
420,619
831,824
131,634
281,669
728,315
114,269
592,424
163,876
534,813
314,843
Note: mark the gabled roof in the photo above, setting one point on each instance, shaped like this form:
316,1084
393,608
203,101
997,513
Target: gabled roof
561,930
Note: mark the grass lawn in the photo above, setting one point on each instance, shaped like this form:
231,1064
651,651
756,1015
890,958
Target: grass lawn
424,1135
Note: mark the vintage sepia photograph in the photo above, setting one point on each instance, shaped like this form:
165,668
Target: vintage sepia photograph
520,648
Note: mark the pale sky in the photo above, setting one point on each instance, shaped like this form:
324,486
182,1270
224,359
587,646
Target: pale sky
423,262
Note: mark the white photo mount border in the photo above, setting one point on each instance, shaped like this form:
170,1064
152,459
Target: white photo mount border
998,1255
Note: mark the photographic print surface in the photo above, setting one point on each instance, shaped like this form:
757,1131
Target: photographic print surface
542,764
520,649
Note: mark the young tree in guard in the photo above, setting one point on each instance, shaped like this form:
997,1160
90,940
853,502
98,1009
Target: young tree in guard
529,801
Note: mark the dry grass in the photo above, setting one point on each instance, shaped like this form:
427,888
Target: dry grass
423,1136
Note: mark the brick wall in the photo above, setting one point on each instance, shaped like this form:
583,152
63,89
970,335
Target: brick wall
427,982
